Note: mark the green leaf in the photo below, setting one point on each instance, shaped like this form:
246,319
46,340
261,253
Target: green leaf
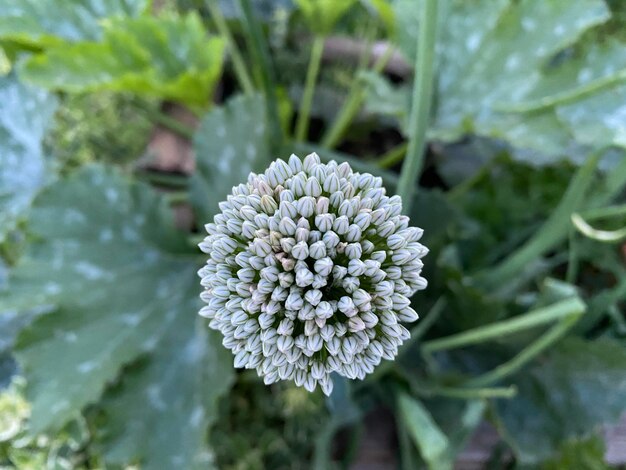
558,398
586,454
385,99
123,285
597,119
497,52
169,57
231,142
40,23
25,115
149,401
429,439
322,15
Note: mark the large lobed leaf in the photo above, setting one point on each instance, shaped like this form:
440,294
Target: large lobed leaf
577,387
231,142
41,23
519,71
123,287
25,115
169,57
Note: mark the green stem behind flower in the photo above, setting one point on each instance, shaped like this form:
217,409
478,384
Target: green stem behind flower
243,77
353,103
534,318
420,102
528,353
553,231
259,50
302,126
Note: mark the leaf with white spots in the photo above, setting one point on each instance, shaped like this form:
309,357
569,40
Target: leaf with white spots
493,55
231,142
25,114
122,287
496,55
44,22
176,389
599,119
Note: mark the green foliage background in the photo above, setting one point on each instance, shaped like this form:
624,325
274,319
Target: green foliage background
104,362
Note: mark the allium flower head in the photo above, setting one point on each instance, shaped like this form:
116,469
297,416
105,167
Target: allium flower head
310,271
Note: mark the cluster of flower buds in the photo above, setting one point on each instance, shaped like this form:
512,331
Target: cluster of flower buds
310,271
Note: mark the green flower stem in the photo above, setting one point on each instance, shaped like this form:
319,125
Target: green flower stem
573,260
260,52
302,126
604,212
241,71
352,104
393,156
474,393
613,185
420,102
540,316
529,353
552,232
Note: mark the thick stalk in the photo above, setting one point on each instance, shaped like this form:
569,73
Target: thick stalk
243,77
422,95
302,126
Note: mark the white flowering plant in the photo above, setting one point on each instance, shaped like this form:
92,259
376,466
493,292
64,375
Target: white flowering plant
310,271
177,290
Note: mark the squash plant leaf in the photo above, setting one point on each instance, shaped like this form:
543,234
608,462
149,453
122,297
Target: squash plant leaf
231,142
122,282
25,115
494,55
40,23
578,386
169,57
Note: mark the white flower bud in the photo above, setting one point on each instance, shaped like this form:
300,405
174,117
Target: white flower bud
354,250
322,205
306,206
300,251
341,225
313,187
324,222
304,278
317,250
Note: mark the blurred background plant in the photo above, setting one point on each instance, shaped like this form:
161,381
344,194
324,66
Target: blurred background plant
123,124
